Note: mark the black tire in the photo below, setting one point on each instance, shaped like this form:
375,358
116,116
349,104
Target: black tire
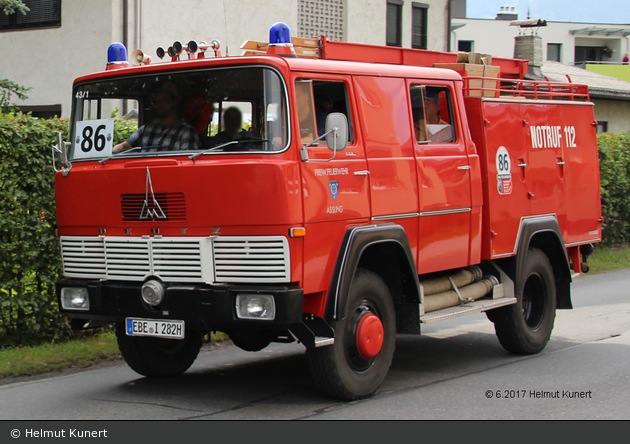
525,327
338,369
157,357
251,340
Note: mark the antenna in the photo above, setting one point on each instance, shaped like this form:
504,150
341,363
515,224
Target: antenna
227,48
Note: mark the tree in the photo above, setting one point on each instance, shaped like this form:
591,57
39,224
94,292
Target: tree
7,88
11,6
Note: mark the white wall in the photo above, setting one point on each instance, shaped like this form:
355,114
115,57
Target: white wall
496,37
48,60
615,112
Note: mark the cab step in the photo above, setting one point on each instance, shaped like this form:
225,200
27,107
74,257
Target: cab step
465,309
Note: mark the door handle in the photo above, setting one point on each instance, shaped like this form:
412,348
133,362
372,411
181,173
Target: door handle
463,167
361,173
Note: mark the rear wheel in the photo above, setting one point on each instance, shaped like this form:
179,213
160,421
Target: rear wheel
357,363
157,357
525,327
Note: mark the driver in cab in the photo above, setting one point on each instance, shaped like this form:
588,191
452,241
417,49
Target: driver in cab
168,131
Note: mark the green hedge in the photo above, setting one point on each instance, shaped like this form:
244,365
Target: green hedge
614,165
30,257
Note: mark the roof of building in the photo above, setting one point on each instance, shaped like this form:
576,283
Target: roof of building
599,85
595,30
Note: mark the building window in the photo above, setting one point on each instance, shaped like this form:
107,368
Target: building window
585,54
554,52
465,45
42,112
419,15
322,17
602,127
394,22
42,14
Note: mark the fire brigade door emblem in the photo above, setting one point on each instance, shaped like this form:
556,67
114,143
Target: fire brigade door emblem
151,208
334,189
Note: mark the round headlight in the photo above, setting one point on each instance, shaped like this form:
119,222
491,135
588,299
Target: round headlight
153,293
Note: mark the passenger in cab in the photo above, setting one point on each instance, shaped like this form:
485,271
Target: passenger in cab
439,131
323,107
232,127
168,132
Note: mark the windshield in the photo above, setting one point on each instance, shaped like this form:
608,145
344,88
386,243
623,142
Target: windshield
213,111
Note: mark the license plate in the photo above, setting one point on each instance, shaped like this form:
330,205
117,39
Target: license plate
155,327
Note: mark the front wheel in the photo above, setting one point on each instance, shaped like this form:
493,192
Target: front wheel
357,363
525,327
157,357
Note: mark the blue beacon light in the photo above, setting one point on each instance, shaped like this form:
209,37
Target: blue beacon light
116,56
280,40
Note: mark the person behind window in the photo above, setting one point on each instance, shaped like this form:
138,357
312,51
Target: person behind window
168,131
323,107
417,109
439,131
232,127
308,128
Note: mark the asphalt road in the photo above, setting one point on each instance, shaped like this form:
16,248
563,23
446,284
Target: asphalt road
456,370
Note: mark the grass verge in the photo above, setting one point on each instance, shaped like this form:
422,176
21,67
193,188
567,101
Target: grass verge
609,258
83,352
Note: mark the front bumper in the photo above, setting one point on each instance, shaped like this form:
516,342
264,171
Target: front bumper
202,307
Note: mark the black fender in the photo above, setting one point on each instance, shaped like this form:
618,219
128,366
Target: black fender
543,233
356,240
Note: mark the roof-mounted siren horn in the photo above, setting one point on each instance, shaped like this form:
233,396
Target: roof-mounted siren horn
138,57
280,42
215,45
116,57
191,48
174,55
160,52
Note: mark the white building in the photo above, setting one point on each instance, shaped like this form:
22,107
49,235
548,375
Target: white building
565,49
564,42
59,41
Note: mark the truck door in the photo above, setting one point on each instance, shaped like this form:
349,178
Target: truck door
546,169
443,179
335,190
389,148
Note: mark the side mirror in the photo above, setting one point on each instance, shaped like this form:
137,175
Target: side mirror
336,131
60,155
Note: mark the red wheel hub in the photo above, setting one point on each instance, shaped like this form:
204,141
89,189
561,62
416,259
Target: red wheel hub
370,336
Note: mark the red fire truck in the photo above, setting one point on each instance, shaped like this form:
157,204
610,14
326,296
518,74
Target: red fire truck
336,199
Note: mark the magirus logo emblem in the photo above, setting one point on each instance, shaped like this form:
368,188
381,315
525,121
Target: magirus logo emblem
151,208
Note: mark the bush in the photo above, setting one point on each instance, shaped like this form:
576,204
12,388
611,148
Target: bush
30,256
30,260
614,165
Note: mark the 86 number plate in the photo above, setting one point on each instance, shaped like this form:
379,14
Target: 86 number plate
155,327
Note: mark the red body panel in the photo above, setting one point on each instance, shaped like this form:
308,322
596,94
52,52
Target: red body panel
542,185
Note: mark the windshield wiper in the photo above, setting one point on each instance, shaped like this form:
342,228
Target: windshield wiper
150,149
233,142
102,161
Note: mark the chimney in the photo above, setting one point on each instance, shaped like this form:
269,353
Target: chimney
529,47
507,13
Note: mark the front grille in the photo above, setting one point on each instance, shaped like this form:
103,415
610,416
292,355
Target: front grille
226,259
181,259
172,204
252,259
